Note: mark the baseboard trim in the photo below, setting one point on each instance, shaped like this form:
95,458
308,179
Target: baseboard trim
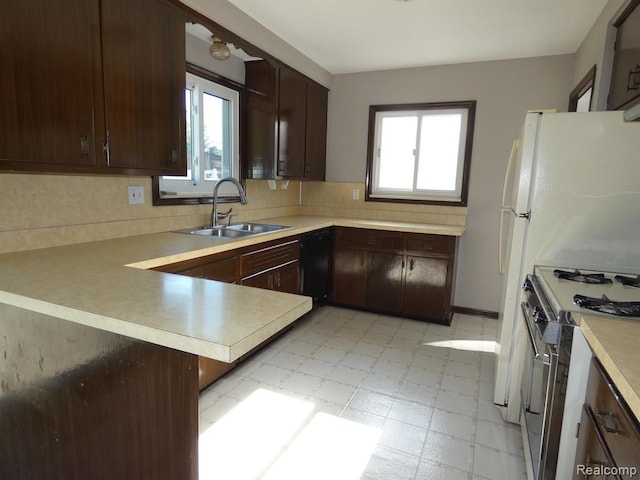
475,311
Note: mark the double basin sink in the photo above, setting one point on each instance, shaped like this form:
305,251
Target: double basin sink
235,230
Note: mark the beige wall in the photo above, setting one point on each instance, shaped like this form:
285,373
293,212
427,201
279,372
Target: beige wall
504,91
40,211
596,49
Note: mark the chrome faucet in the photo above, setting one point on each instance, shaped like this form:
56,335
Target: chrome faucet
215,216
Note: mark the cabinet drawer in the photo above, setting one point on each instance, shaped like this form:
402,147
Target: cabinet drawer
222,271
590,451
429,244
369,239
615,422
263,259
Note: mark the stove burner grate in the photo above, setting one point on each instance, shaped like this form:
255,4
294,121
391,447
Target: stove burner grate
578,276
604,305
628,281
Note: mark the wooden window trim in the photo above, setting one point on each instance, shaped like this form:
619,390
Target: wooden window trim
470,105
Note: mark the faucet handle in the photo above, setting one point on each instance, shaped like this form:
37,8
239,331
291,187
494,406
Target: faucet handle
223,215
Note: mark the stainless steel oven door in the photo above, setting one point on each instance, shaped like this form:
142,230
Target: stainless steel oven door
539,369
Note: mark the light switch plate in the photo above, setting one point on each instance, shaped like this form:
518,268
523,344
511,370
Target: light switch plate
136,194
356,194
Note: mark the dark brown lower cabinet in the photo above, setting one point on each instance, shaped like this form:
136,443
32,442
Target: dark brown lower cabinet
384,281
425,287
609,433
404,274
349,277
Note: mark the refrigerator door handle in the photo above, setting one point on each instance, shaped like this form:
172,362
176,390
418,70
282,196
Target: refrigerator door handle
512,156
507,176
500,259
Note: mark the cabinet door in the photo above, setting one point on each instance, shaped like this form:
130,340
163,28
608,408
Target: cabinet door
260,140
291,123
262,280
51,85
261,80
287,278
426,293
384,282
316,137
349,276
143,44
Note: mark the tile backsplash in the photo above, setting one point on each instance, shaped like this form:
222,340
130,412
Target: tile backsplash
337,200
38,211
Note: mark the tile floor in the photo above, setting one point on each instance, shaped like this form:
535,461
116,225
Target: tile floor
352,395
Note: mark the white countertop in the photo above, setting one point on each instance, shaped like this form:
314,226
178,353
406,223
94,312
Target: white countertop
106,285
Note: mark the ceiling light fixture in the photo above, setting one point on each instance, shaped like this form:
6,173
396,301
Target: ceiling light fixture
218,49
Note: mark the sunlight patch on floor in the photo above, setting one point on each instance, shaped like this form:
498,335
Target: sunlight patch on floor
268,431
469,345
246,440
329,447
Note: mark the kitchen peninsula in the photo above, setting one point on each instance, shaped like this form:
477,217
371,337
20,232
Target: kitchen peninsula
99,354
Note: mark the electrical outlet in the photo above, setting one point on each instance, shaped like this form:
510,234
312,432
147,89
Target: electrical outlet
136,194
356,194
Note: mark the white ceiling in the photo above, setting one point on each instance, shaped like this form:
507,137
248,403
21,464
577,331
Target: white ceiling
361,35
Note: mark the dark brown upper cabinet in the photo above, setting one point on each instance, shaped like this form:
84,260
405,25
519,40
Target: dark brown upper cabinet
92,86
286,123
624,91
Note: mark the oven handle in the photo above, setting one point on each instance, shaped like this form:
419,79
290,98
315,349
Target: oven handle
543,358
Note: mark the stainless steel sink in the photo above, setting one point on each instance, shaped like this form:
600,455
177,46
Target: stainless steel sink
255,227
236,230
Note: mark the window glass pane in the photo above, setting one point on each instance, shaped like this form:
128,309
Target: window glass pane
439,152
216,145
584,102
397,145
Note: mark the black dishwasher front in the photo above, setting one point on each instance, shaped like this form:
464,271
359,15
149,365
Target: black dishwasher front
316,260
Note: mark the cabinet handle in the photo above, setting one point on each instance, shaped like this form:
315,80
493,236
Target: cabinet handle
278,279
175,158
84,145
411,265
270,282
607,421
371,241
593,462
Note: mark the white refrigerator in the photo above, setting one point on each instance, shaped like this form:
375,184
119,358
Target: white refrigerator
571,199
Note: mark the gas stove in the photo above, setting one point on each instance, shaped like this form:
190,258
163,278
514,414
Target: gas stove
570,292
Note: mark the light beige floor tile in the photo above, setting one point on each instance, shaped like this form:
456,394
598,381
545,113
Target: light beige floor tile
425,389
454,424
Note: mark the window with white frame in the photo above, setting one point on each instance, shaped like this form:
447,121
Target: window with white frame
420,153
212,137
